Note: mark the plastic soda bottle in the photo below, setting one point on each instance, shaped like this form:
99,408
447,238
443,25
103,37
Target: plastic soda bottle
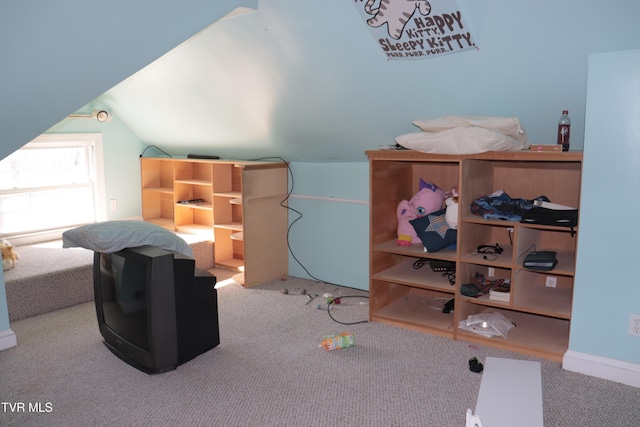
564,130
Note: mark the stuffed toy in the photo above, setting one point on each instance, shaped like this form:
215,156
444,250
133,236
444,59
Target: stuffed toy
9,256
451,215
429,199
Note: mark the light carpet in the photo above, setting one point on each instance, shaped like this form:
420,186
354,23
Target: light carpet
270,371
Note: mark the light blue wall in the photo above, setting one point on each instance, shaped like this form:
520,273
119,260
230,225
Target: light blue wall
607,282
329,238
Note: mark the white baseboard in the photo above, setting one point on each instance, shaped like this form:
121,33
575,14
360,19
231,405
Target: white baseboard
7,339
602,367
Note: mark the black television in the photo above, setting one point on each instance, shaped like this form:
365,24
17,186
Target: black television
155,309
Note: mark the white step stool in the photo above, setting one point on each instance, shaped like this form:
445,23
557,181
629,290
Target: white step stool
510,395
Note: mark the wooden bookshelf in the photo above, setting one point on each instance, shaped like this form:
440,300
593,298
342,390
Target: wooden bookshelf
238,199
403,296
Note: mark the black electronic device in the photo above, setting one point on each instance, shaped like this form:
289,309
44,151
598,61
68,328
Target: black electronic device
442,266
542,261
155,309
202,156
449,306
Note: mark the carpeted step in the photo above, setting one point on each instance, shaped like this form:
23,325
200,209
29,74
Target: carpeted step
48,278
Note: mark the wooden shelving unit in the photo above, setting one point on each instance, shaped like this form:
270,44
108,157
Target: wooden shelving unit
403,296
239,198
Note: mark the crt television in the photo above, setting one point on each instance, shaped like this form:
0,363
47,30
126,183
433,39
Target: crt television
155,309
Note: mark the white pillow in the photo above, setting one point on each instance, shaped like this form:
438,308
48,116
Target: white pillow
460,140
509,126
112,236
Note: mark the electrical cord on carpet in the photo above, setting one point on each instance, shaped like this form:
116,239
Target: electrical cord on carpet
337,300
299,214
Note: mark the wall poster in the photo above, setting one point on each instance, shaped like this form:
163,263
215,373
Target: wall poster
416,29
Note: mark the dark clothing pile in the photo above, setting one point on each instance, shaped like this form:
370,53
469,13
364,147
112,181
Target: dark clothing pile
500,206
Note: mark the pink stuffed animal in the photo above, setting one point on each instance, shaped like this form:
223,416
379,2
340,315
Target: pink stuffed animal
429,199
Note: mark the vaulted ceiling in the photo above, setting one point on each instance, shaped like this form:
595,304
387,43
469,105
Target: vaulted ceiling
252,85
59,56
216,93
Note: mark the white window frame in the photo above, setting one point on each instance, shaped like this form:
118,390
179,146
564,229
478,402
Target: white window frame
93,140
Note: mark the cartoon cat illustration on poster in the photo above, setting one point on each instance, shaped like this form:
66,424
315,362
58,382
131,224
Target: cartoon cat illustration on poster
395,13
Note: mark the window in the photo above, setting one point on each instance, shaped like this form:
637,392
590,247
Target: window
52,183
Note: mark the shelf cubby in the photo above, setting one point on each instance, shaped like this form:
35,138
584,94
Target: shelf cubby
477,235
525,337
404,272
533,294
562,241
157,207
411,307
157,174
157,192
